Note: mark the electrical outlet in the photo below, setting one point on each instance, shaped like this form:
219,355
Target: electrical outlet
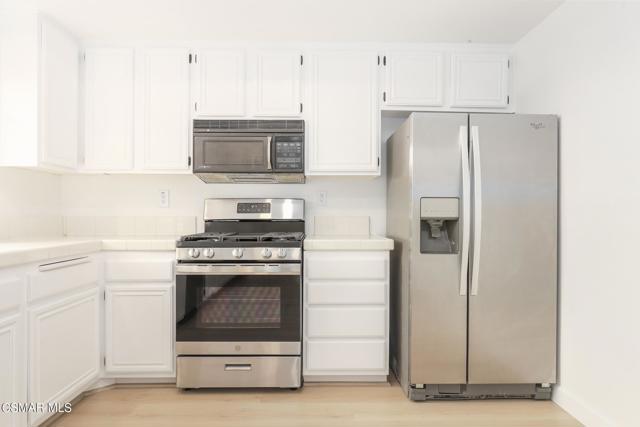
164,198
322,198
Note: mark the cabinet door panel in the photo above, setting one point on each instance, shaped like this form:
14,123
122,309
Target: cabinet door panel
344,131
221,83
346,322
278,84
109,109
414,79
59,65
139,330
13,375
64,349
480,80
165,109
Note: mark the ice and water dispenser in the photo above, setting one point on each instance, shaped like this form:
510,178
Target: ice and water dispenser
439,225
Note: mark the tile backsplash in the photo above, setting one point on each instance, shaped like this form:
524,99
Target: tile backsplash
129,226
23,227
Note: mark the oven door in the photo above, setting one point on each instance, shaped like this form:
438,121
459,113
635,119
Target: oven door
238,309
231,153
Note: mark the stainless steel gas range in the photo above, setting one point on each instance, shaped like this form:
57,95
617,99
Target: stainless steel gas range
239,295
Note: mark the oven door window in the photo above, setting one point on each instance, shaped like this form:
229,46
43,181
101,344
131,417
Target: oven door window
238,308
231,154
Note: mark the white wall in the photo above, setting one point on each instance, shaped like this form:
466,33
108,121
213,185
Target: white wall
29,204
583,63
139,195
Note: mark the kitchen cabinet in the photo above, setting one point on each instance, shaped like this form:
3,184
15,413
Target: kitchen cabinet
64,331
108,109
344,116
278,79
39,64
413,78
480,80
220,90
346,306
164,109
13,350
139,320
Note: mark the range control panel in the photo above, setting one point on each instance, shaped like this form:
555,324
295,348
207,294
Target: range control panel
254,208
289,152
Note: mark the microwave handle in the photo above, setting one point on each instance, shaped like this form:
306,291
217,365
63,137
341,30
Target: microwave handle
269,152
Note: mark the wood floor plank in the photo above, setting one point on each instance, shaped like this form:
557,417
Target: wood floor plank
313,406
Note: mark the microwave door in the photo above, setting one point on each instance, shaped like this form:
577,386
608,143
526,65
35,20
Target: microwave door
232,153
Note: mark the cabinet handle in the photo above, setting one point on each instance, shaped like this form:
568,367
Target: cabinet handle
63,264
237,367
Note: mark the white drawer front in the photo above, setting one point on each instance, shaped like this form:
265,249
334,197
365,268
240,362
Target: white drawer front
10,295
343,322
346,265
346,355
61,277
139,271
346,292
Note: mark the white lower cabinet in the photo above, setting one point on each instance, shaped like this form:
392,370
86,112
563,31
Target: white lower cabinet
138,335
346,309
64,348
139,319
13,369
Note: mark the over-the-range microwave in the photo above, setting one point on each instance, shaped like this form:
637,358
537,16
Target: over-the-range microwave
249,151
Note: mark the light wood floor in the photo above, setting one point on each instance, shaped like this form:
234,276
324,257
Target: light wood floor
314,405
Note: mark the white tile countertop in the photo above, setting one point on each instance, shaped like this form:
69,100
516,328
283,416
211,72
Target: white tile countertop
23,252
348,243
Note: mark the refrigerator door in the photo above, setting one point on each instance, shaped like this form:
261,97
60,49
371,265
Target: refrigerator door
438,289
513,290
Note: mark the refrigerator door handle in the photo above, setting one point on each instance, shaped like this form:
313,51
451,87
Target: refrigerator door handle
477,209
463,139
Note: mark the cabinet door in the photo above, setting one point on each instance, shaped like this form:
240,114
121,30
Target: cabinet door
278,83
13,372
221,83
64,349
344,128
109,109
165,109
480,80
139,330
413,79
59,66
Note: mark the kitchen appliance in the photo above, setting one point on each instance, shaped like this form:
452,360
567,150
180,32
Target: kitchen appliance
472,207
238,296
249,151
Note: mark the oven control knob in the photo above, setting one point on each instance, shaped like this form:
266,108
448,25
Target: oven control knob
282,253
237,252
209,253
194,253
266,253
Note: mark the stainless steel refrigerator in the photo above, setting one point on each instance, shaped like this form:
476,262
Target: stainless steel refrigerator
472,207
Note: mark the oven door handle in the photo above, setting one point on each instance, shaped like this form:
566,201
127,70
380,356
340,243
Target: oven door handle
238,269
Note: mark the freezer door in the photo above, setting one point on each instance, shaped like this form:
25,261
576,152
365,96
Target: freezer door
513,290
438,291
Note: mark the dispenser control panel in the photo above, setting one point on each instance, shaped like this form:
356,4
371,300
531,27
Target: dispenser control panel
439,207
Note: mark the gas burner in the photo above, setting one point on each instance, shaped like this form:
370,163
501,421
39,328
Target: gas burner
209,236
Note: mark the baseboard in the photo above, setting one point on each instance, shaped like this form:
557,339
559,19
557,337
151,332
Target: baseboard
578,409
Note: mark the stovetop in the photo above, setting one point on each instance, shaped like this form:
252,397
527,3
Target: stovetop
216,237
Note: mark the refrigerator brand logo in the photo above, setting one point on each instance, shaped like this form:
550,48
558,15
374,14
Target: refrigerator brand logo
537,126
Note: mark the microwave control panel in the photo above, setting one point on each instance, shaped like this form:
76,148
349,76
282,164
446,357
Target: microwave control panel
289,152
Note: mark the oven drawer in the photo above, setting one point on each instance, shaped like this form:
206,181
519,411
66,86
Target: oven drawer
261,371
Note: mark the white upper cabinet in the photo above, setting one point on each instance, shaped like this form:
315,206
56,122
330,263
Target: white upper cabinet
413,78
221,83
164,109
108,132
39,64
278,83
344,117
480,80
59,62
